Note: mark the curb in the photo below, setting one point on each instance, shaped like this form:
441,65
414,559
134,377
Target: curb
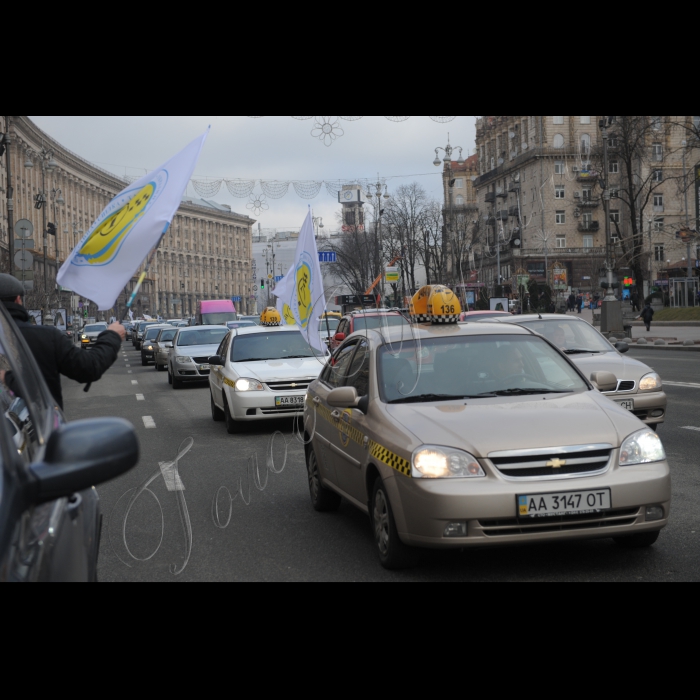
682,348
666,324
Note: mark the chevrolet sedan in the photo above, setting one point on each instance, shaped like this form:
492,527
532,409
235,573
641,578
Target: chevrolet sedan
639,388
188,360
460,436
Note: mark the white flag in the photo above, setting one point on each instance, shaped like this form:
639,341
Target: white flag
133,223
302,287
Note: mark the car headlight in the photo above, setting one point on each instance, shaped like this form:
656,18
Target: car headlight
642,447
244,385
184,360
650,382
430,462
150,347
84,337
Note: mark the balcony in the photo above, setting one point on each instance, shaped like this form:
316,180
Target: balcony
589,227
502,215
514,211
502,194
514,187
593,203
490,197
587,177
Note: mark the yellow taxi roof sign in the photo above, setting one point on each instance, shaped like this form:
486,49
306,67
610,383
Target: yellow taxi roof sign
444,305
419,305
270,317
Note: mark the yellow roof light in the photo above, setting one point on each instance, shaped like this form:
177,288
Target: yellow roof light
270,317
444,306
419,305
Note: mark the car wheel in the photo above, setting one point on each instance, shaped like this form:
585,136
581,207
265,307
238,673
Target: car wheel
144,362
177,383
217,414
170,377
394,555
232,427
322,499
654,427
640,541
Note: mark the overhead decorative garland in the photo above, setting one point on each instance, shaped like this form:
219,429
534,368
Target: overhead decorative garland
328,129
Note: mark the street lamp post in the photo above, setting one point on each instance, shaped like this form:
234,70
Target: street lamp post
57,199
687,213
5,142
48,164
378,195
449,225
77,233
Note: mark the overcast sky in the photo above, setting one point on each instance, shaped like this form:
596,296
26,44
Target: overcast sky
269,148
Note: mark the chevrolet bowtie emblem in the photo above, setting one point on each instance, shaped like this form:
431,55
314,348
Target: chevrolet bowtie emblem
294,386
557,463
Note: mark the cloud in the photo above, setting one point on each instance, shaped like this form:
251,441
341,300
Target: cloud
272,148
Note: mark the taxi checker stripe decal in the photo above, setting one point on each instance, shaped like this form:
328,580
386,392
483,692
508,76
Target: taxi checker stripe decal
230,383
376,450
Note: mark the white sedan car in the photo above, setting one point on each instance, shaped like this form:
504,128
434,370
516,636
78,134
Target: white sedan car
261,374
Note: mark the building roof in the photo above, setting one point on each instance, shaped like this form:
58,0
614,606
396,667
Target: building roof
470,164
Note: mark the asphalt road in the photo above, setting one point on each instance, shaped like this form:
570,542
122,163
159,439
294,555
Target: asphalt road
272,533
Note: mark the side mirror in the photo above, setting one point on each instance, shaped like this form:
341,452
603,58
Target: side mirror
344,397
168,345
216,361
339,337
604,381
81,455
622,347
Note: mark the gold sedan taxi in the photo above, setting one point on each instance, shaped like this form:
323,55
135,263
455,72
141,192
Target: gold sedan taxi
457,436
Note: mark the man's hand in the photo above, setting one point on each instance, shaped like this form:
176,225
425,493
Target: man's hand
119,330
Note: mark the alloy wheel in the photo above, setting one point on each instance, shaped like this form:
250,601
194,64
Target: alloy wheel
381,522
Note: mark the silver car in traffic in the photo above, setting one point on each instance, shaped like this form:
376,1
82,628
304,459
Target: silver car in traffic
188,360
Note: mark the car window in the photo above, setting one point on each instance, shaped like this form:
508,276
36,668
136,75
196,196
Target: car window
336,371
343,327
152,334
570,335
358,375
255,347
473,365
166,336
212,336
98,328
223,348
362,323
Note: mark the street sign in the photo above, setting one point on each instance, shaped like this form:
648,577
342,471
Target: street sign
27,276
24,228
24,243
393,276
24,260
269,277
327,257
279,278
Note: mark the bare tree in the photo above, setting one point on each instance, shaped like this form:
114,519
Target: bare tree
638,148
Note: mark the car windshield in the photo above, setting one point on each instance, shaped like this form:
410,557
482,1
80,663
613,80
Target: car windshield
95,329
211,336
143,326
240,324
218,319
440,369
363,323
570,336
328,324
165,336
270,346
152,333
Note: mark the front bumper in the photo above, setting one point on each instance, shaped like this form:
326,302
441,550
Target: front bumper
261,405
488,507
649,407
190,372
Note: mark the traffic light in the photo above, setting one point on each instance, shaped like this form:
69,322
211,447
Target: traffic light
262,284
51,229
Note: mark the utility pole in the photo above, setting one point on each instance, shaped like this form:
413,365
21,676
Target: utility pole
6,141
687,213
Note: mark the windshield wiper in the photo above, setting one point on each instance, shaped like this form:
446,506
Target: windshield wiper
254,359
582,351
425,398
525,392
296,357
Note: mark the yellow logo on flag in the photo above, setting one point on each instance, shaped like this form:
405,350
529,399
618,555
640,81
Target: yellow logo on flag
303,296
104,242
289,316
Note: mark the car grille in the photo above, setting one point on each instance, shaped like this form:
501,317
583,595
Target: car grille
626,386
581,460
290,385
281,411
564,523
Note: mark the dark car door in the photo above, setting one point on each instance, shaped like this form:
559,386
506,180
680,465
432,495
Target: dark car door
53,542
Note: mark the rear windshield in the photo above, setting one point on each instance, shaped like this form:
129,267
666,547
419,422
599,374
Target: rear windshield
143,326
270,346
166,335
152,333
218,319
213,336
95,329
372,322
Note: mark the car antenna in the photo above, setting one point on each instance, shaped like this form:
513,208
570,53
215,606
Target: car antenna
540,315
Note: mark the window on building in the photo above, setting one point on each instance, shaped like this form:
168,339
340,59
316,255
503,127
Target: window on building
588,242
561,217
459,200
459,183
558,141
659,223
587,221
585,144
615,216
656,123
659,253
614,194
586,194
658,202
558,167
585,120
657,151
560,192
614,167
657,176
612,142
696,122
561,241
558,120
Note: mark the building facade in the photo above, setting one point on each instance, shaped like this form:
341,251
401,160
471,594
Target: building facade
207,253
540,206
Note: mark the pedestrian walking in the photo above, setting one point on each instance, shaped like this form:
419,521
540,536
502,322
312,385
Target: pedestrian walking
635,302
53,351
647,315
579,303
571,302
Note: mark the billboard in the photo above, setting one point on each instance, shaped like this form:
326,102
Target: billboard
560,277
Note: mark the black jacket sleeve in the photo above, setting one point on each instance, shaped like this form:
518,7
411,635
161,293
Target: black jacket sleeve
87,366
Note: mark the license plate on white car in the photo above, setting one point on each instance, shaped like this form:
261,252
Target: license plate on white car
289,401
628,404
549,505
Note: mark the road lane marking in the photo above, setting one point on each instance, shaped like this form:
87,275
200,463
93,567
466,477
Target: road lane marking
690,427
133,381
148,422
129,372
686,384
140,397
172,479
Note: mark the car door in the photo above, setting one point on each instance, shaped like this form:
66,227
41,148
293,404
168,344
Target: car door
351,452
216,376
57,541
326,435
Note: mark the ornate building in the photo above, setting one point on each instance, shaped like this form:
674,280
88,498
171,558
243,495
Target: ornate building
207,253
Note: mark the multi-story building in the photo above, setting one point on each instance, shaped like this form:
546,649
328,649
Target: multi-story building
206,254
540,202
